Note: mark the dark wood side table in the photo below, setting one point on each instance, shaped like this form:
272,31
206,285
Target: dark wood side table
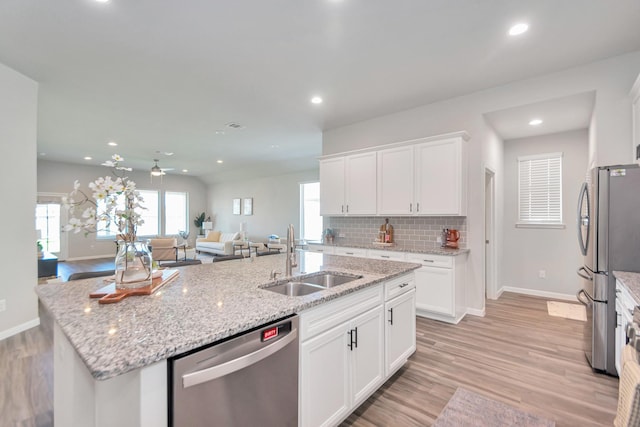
47,265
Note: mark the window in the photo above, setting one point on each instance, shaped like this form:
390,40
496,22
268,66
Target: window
310,219
175,211
48,225
150,215
540,191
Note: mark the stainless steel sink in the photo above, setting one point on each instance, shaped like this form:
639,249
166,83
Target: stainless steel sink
305,285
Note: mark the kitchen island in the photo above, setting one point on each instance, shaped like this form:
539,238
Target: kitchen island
110,360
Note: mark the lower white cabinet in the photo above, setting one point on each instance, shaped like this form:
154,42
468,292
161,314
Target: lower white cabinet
400,330
440,286
349,348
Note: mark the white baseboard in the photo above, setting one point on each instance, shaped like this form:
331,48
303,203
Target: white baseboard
20,328
82,258
476,312
537,293
499,293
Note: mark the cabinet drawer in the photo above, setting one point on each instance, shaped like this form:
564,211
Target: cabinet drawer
320,248
398,286
430,260
361,253
326,316
387,255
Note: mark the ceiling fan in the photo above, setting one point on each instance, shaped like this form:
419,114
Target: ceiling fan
157,170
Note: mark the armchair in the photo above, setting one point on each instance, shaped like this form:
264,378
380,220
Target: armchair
164,249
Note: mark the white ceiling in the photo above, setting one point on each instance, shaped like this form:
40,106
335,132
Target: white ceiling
166,75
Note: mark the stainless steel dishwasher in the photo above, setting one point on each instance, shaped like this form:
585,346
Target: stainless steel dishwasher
248,380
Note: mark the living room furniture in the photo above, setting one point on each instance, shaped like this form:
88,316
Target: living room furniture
218,243
165,249
90,274
47,265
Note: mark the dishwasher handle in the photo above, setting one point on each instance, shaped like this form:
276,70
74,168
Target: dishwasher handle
209,374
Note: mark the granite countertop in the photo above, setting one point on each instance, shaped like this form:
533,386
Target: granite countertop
204,304
434,251
631,281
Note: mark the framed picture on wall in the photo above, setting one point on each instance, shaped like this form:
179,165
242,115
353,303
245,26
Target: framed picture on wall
248,206
236,206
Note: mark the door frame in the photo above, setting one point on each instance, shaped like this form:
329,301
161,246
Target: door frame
490,265
43,198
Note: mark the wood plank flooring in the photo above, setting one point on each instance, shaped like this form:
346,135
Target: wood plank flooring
517,354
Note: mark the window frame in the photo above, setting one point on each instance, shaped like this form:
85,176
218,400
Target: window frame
302,211
186,211
108,235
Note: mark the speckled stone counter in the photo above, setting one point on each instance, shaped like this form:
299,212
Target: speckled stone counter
435,250
204,304
631,281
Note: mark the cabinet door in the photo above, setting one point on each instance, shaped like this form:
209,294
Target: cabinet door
324,378
367,354
395,181
438,178
360,184
332,186
400,330
435,290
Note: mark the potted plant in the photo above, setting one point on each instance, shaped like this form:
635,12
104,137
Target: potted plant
200,219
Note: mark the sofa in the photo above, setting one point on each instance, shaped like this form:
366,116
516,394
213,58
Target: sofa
218,243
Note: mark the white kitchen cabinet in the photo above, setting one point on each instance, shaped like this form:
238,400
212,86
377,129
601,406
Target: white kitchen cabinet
348,185
624,316
440,178
386,255
427,178
367,354
395,181
400,330
440,286
320,248
355,252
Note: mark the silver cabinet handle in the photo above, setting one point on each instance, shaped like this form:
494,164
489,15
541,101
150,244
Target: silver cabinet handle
349,253
209,374
347,208
584,276
581,292
428,260
342,208
385,256
410,207
391,316
417,207
403,285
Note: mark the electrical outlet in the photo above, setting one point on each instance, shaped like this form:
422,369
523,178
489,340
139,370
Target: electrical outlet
3,304
341,235
542,274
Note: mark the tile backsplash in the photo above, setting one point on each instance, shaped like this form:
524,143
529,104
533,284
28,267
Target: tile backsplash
417,233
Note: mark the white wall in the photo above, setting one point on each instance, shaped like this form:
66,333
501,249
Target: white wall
611,79
534,249
57,177
276,204
18,254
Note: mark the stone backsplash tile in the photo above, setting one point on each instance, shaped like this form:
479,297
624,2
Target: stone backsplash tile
419,233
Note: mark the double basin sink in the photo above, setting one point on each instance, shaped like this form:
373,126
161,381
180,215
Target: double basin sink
305,285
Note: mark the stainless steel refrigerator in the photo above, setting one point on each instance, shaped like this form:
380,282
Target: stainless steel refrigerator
609,238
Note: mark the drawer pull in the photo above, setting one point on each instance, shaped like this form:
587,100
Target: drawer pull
349,253
385,256
391,316
404,284
428,260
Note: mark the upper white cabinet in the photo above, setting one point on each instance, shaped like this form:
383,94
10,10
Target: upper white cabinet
348,185
395,181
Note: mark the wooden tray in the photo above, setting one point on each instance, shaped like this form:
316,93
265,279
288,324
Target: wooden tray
109,294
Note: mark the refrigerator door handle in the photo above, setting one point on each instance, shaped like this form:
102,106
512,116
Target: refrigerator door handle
581,292
583,220
584,276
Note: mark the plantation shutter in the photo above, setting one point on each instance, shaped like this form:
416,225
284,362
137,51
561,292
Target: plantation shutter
540,189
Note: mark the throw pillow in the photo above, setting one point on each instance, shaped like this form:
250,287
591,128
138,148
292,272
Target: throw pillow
213,236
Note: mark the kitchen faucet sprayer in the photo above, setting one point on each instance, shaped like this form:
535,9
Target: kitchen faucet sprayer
291,251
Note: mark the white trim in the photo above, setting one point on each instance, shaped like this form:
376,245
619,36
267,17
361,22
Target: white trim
82,258
499,293
540,156
537,293
476,312
20,328
539,225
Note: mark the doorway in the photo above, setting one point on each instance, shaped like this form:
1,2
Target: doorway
490,267
50,216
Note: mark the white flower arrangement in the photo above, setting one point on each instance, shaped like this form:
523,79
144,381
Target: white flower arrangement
109,191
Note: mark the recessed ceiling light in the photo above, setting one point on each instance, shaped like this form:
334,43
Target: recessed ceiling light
219,132
43,154
88,158
219,161
518,29
274,146
316,100
185,170
112,143
535,122
102,1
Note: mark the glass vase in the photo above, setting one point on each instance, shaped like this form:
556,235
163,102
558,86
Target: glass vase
133,265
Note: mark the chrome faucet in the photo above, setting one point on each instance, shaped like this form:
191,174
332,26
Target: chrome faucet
291,251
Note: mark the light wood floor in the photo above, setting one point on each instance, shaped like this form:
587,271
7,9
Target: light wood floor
517,354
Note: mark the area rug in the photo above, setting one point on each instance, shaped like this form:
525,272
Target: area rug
469,409
567,310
